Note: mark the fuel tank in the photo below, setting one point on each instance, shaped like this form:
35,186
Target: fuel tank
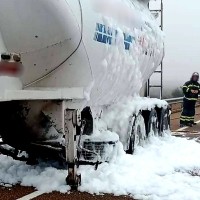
110,48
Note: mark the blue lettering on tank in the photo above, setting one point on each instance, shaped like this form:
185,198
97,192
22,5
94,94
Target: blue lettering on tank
107,35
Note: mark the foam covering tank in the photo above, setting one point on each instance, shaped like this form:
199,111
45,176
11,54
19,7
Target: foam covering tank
110,48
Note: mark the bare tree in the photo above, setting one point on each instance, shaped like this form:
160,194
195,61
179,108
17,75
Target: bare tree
177,93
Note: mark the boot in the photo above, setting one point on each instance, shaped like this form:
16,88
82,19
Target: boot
182,125
190,124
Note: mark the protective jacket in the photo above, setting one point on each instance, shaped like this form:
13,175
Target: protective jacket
187,90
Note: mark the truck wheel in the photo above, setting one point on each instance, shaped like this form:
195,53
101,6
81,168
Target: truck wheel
86,115
138,133
164,126
153,126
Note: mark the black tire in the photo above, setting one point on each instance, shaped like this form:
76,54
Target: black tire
138,134
153,125
164,125
86,115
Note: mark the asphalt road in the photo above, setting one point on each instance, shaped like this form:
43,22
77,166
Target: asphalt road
17,192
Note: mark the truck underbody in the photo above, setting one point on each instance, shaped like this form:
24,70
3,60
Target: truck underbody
59,130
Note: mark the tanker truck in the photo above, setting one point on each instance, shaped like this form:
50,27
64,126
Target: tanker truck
67,65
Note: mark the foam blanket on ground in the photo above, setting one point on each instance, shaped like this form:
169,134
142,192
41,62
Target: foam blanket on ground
165,169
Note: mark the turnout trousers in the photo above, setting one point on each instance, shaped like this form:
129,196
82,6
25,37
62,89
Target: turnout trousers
188,112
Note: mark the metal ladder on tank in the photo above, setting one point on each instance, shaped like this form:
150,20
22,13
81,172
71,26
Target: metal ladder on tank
150,86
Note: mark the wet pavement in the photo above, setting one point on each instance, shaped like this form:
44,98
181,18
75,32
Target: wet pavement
14,192
17,192
188,132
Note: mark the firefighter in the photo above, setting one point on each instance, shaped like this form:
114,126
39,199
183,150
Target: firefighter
191,90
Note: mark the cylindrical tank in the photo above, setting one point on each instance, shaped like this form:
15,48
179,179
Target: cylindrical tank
108,47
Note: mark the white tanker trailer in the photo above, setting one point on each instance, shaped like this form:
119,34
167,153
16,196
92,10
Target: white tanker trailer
64,62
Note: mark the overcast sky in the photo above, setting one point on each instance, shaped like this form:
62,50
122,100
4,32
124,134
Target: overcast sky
182,30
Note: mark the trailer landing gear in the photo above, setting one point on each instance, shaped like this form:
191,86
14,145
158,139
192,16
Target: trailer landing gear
73,179
72,120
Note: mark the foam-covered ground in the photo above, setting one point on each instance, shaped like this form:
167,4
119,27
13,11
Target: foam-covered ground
166,168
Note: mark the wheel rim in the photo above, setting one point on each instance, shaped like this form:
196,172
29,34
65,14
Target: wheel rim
137,136
153,126
140,131
164,122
